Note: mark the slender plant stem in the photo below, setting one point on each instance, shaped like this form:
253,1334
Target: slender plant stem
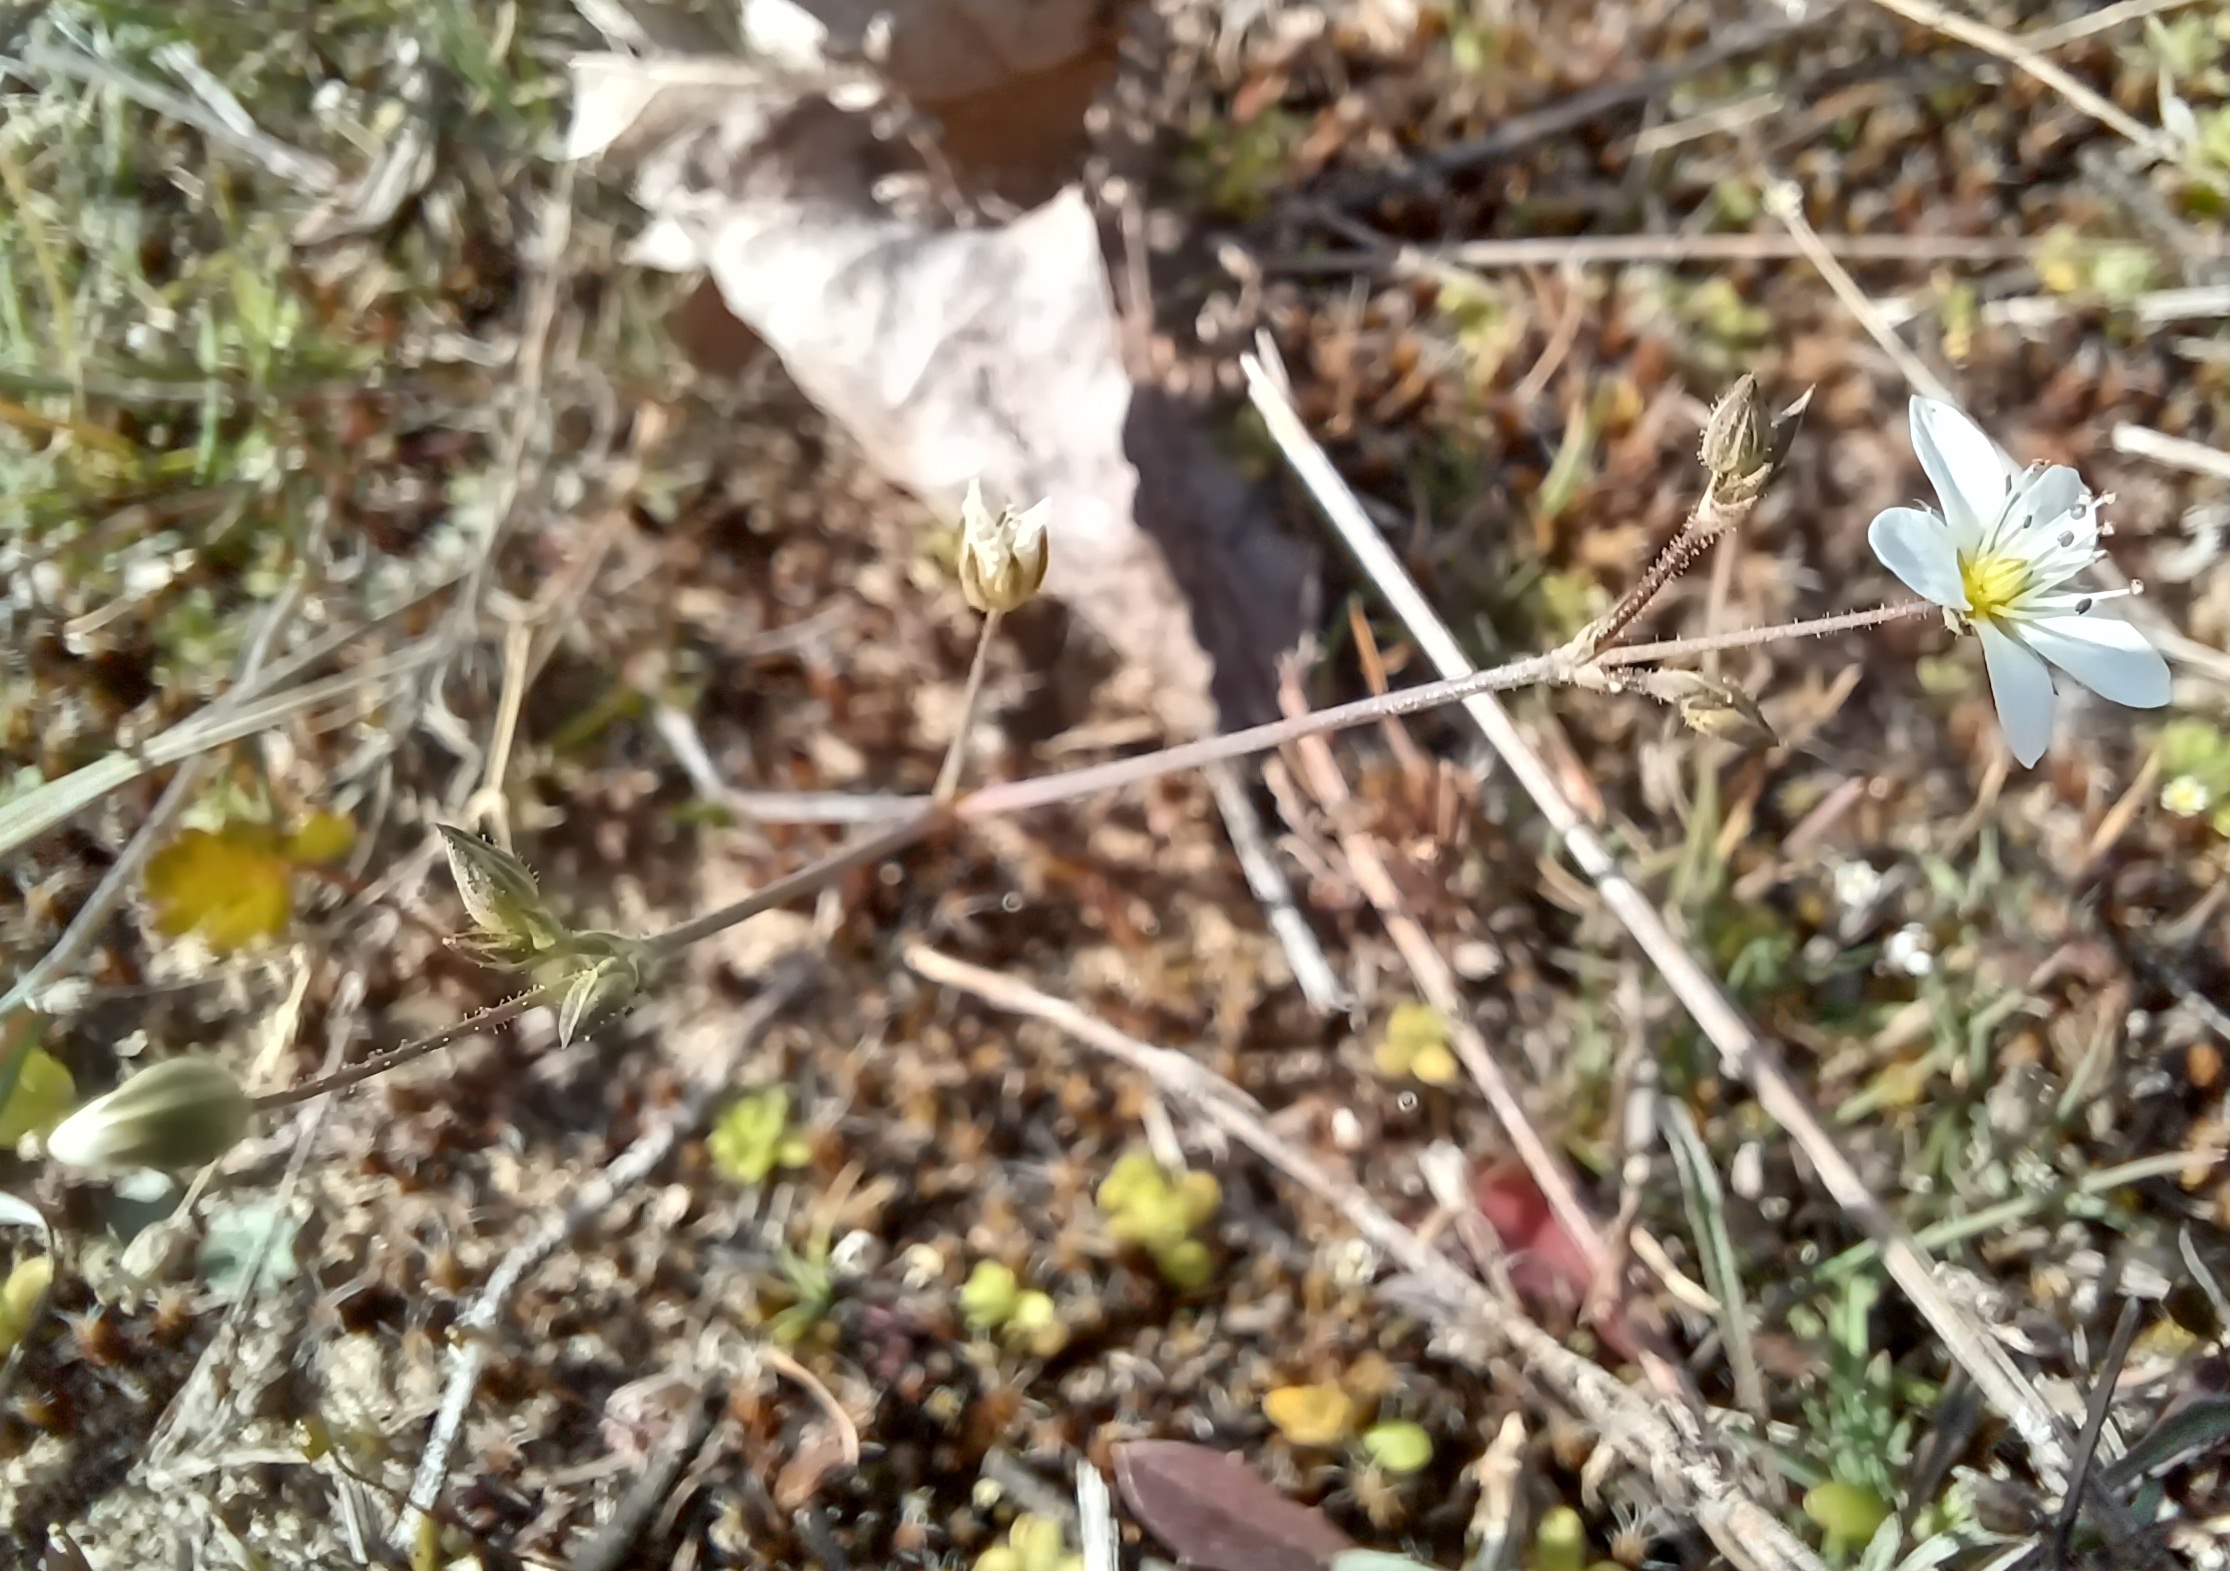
948,778
998,801
807,879
814,875
1020,795
1679,552
380,1063
1752,637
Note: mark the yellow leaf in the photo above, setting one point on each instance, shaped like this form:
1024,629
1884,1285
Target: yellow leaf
1904,1084
1320,1415
321,838
1434,1064
230,887
1416,1043
43,1093
20,1297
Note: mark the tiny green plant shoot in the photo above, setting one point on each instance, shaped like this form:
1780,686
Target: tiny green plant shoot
1161,1213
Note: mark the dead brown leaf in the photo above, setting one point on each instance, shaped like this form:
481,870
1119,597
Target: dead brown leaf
958,352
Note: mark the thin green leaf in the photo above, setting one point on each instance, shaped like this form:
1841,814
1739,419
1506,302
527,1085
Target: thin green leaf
1707,1216
2203,1425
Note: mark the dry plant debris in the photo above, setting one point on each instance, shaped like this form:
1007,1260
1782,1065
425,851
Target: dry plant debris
360,464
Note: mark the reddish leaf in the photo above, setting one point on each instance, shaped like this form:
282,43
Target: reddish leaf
1548,1267
1214,1511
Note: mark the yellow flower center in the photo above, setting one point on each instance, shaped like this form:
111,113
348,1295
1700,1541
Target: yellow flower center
1992,583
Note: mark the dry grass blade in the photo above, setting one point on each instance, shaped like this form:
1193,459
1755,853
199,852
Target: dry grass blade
1517,131
37,811
310,171
1786,202
211,1390
1467,256
2046,39
1312,971
1982,36
1744,1054
2178,452
2094,1426
1438,983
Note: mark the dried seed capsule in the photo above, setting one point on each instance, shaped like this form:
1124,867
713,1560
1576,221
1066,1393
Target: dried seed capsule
1003,555
1713,707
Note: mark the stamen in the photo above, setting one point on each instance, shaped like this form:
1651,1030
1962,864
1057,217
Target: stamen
2136,586
2067,537
2083,606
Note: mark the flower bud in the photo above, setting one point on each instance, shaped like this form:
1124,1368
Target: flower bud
1002,556
601,973
176,1114
1713,707
1737,443
500,896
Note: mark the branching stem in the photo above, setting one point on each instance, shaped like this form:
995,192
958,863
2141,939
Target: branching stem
1567,666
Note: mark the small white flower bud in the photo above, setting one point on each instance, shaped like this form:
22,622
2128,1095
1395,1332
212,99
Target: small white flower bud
176,1114
1002,556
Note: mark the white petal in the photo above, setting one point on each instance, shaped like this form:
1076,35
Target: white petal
2104,653
1916,546
2022,685
1029,526
83,1139
1969,473
2052,524
2050,497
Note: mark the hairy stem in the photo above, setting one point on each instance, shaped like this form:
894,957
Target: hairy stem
1753,637
394,1058
997,801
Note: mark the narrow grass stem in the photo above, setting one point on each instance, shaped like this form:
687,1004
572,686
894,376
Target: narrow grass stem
806,880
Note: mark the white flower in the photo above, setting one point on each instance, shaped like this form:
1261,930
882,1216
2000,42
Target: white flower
1856,885
1907,951
1996,558
2186,796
